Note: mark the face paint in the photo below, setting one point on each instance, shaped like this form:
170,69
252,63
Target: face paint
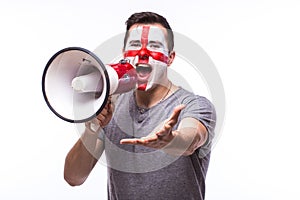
146,49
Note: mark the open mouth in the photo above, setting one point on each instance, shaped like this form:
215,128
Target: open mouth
143,69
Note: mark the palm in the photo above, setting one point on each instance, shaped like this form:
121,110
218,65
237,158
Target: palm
161,136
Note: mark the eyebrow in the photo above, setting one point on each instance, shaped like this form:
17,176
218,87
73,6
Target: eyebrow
134,41
156,42
150,42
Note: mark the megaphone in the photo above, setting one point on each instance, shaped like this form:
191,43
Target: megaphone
76,84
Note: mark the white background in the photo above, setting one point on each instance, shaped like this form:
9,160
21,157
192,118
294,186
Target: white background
254,44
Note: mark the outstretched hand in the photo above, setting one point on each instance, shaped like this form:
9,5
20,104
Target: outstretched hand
160,138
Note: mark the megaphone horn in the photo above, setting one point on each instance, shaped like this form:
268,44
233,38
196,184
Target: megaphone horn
76,84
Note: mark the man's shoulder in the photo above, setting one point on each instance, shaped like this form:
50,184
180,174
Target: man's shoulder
188,96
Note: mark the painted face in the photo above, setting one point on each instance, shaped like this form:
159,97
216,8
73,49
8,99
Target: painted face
147,50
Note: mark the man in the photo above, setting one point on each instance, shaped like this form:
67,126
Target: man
156,138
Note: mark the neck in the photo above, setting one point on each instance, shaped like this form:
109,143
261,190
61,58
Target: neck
149,98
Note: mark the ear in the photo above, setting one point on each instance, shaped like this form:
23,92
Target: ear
123,52
171,57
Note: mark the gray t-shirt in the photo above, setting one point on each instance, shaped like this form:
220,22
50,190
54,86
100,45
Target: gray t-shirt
137,172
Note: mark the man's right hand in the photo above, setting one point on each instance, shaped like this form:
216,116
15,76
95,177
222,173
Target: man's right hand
101,120
106,114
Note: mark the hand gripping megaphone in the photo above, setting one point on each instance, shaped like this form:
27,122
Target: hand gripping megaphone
76,84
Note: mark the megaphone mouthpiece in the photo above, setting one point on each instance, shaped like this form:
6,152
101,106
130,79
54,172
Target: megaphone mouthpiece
88,83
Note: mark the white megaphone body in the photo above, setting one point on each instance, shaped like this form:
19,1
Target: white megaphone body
76,84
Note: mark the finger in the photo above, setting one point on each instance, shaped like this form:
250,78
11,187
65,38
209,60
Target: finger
129,141
148,139
101,117
166,129
174,117
105,112
152,138
141,141
110,108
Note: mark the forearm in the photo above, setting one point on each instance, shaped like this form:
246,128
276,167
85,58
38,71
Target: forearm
82,158
183,143
191,135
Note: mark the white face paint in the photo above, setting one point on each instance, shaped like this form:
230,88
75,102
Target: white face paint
147,50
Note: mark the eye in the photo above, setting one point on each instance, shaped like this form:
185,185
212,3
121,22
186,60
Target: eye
155,46
135,44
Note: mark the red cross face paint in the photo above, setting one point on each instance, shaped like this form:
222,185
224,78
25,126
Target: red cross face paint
146,49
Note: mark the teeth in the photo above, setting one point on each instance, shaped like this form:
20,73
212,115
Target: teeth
143,68
142,65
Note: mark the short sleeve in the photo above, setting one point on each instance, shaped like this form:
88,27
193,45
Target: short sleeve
202,109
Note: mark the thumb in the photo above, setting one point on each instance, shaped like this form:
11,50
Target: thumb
174,116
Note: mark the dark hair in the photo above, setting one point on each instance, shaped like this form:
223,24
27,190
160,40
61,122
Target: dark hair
150,18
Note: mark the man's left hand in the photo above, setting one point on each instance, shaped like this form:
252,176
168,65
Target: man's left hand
160,138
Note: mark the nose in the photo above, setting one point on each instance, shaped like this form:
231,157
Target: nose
143,54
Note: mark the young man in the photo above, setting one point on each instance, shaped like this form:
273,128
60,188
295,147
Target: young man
156,138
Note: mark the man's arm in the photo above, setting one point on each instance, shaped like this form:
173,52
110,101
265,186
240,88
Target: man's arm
190,135
85,153
82,158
